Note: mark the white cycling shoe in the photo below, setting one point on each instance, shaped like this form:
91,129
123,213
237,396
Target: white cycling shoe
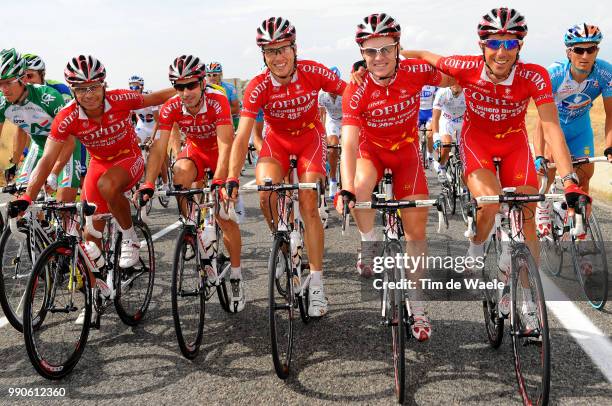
318,301
130,250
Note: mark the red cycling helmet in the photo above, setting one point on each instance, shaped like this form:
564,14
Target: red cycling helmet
275,30
84,69
377,25
186,67
502,20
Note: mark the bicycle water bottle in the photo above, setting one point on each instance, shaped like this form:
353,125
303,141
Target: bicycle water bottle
296,249
207,239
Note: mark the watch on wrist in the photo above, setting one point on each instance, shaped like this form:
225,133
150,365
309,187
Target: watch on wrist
571,176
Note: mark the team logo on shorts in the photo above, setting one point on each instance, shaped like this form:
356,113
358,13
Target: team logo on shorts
484,161
519,176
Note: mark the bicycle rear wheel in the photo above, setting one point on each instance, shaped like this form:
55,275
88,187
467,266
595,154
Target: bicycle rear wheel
463,194
56,345
134,285
494,323
552,247
529,320
281,306
591,264
188,294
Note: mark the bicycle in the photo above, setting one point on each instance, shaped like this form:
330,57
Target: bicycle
454,189
528,316
287,287
196,282
21,243
395,305
71,281
586,248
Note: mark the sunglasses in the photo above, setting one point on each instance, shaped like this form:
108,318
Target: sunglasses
277,51
30,75
495,44
384,51
179,87
589,50
135,87
213,75
88,89
9,83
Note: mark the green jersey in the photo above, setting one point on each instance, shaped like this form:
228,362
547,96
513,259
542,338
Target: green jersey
35,114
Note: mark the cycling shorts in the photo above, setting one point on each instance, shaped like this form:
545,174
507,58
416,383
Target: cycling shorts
405,164
333,127
579,137
450,127
310,147
478,148
69,177
131,162
201,159
424,116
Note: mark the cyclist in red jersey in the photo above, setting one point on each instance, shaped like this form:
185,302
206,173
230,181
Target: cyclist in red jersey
288,94
203,114
101,120
379,131
498,87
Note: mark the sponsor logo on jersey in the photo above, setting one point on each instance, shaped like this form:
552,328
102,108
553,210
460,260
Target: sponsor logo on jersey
46,98
534,77
124,96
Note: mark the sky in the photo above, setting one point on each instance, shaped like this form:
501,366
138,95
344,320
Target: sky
143,37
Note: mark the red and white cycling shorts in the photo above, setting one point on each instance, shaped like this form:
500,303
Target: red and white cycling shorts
131,162
310,147
201,159
405,164
478,148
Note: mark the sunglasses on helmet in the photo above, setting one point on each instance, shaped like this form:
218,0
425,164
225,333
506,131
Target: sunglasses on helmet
179,87
495,44
589,50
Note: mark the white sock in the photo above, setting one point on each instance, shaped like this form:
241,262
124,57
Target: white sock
236,273
316,278
369,236
476,250
129,233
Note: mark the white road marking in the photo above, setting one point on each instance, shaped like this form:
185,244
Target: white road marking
590,338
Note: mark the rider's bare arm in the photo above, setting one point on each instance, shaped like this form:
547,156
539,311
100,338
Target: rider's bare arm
240,146
607,102
554,138
64,157
225,137
158,97
157,153
43,168
20,141
435,120
350,142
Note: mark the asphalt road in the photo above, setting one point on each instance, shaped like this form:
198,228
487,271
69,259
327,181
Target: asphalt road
342,358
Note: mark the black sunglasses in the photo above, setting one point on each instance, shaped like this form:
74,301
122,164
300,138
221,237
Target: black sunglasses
589,50
179,87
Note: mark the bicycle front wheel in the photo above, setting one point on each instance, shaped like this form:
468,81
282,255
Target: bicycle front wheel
56,345
494,323
134,285
529,320
188,294
396,317
16,267
281,306
591,264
